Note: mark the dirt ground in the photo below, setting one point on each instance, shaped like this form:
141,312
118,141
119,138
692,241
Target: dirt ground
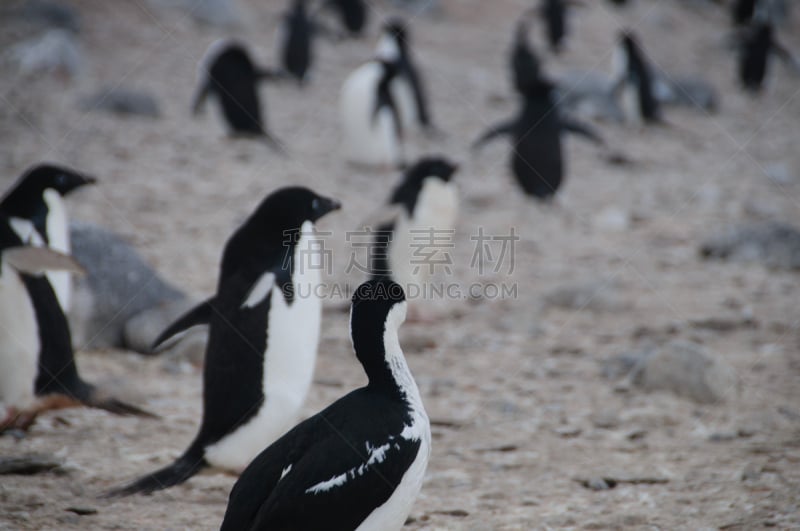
513,386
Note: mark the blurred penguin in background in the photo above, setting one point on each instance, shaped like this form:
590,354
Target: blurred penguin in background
758,43
635,82
296,39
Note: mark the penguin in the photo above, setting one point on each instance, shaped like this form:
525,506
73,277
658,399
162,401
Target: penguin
37,363
554,15
425,199
264,323
758,43
536,157
38,214
372,129
227,72
353,14
525,64
407,87
360,462
635,82
296,43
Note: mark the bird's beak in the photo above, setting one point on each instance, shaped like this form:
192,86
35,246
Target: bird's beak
326,205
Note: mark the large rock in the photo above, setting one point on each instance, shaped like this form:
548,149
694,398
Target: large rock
776,245
686,369
55,51
118,287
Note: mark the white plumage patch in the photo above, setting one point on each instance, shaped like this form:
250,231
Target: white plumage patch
376,455
285,471
260,290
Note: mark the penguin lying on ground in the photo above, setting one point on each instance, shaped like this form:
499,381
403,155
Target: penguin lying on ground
635,82
227,72
36,209
37,363
536,154
360,462
264,326
426,203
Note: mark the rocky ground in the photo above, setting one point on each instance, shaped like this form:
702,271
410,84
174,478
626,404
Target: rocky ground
537,422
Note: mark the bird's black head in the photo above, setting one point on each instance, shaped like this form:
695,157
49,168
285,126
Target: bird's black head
396,28
288,208
407,191
377,305
43,176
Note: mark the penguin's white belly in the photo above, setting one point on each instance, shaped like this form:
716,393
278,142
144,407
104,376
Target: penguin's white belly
393,514
58,235
291,353
19,341
367,140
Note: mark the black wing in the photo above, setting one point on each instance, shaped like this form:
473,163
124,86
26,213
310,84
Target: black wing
505,128
199,315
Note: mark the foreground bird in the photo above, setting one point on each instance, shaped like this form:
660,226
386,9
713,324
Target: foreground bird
264,326
360,462
37,213
37,363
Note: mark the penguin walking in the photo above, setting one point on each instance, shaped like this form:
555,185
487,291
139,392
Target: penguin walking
426,208
635,82
757,45
407,87
228,73
536,157
37,212
352,13
264,326
37,363
372,127
525,64
360,462
297,38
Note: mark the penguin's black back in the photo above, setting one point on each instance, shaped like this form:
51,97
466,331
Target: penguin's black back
297,49
233,78
755,56
536,159
639,73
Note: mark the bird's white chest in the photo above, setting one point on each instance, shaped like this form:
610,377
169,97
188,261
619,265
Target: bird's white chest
19,341
57,227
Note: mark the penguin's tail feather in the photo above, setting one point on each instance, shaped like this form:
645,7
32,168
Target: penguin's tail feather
181,470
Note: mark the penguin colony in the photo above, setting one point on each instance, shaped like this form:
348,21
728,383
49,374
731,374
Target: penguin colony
360,462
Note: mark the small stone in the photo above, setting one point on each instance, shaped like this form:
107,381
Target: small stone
597,484
606,420
751,472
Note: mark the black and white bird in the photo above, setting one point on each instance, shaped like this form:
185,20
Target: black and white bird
264,324
360,462
296,39
228,73
352,13
372,127
37,212
525,64
536,157
37,363
635,82
407,87
424,205
757,46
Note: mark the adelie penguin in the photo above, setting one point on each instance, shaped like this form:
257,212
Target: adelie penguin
264,324
228,73
635,82
352,13
757,45
360,462
536,154
296,40
37,213
37,363
425,200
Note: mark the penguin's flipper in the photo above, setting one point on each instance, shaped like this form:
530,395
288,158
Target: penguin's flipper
786,56
199,315
423,113
37,260
580,128
505,128
178,472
